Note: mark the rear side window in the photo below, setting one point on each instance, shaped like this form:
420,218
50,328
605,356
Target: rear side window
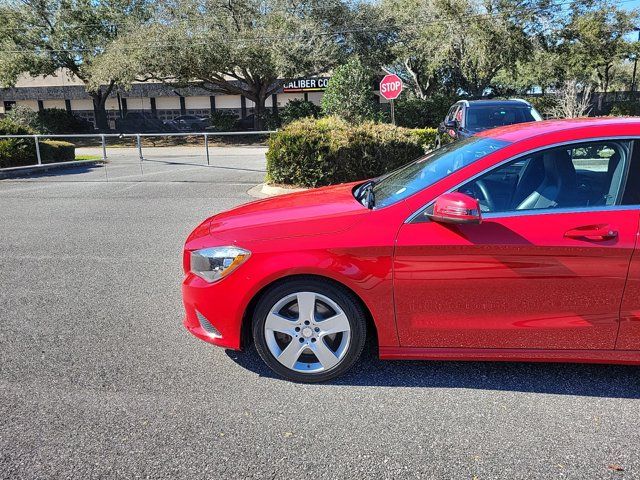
632,185
482,118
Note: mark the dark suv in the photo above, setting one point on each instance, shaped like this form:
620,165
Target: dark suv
467,117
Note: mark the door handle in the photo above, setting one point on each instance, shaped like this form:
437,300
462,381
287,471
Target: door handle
593,232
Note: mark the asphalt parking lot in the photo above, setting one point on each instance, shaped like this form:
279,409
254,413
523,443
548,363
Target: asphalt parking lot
98,378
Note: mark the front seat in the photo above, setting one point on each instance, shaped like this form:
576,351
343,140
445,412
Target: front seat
530,177
615,171
559,186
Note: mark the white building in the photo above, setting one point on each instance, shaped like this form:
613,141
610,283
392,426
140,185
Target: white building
160,100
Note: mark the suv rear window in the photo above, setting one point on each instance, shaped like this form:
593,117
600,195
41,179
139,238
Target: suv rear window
485,117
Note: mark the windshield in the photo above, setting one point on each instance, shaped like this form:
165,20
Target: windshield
431,168
483,118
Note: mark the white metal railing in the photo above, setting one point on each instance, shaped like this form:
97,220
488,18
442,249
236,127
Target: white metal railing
138,136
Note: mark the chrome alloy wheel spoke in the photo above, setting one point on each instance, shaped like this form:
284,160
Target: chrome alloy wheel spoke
290,355
278,323
324,354
336,324
306,306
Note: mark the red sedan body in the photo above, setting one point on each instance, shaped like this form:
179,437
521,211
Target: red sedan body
541,285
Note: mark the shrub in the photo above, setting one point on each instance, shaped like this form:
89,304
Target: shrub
25,117
53,151
544,104
626,108
270,121
573,101
349,93
426,137
413,112
58,121
10,127
15,152
222,121
314,153
297,109
49,121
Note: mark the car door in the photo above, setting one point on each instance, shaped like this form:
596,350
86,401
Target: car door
546,268
629,334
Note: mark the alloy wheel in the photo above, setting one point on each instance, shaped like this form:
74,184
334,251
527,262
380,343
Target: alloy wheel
307,332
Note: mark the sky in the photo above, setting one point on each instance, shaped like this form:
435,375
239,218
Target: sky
630,4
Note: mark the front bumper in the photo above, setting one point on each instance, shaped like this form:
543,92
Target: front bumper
213,312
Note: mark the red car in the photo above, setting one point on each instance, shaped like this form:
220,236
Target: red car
515,244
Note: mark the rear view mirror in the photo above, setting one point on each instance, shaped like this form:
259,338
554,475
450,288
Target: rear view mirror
455,208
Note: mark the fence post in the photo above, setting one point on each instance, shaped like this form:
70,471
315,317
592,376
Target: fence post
104,148
35,137
206,146
138,140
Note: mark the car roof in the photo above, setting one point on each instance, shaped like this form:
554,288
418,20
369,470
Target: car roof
496,103
523,131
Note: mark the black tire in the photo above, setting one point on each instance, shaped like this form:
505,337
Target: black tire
341,296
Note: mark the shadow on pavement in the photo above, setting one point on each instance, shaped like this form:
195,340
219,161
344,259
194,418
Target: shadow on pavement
58,171
609,381
204,165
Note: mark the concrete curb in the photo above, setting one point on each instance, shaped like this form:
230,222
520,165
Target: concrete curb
265,190
13,172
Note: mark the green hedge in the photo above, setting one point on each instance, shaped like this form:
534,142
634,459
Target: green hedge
426,137
222,121
625,108
296,109
412,112
317,152
16,152
53,151
48,121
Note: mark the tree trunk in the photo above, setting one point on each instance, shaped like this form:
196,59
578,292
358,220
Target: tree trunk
259,112
605,89
418,87
600,101
99,98
99,110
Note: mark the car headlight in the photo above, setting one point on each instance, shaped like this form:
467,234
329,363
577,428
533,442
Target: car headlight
212,264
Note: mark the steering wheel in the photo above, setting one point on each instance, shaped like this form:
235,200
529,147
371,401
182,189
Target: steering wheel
486,200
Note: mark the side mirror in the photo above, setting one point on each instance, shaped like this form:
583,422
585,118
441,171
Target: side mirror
451,125
455,207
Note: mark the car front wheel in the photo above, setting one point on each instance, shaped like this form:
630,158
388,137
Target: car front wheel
308,330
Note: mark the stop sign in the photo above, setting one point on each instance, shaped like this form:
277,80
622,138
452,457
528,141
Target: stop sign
390,87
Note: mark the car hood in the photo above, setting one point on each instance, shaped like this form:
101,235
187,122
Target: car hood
311,212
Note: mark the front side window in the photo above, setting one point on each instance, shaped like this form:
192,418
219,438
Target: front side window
431,168
572,176
451,113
